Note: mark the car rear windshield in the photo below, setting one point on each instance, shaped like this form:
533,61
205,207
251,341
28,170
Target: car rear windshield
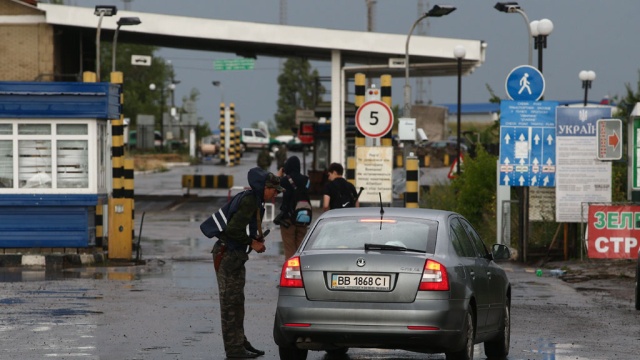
352,233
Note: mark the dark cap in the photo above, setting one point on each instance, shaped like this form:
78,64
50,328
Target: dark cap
273,182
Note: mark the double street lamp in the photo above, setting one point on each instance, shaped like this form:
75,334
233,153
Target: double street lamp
436,11
540,29
123,21
171,87
586,77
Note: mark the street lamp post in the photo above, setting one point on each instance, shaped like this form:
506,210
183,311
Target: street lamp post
101,11
523,191
459,52
586,77
171,87
513,7
540,29
436,11
124,21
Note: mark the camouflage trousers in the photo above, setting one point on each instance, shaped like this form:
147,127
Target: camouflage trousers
231,280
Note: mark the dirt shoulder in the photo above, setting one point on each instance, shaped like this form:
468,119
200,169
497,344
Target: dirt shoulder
605,277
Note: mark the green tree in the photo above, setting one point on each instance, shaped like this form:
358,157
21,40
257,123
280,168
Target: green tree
137,97
475,190
298,90
626,104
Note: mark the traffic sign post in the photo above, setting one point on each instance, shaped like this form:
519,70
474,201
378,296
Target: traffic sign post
374,119
609,134
527,143
525,83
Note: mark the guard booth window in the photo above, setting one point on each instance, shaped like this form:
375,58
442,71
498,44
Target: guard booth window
50,155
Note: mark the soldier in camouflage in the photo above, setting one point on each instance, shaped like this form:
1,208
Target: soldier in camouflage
231,272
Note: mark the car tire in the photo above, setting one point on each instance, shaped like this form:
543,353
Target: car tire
468,332
292,353
337,353
498,348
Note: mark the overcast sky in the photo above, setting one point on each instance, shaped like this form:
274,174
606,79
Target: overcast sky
588,35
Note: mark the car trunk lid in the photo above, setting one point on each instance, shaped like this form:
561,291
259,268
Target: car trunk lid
357,275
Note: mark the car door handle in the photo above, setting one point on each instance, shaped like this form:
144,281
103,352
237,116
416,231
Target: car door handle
489,274
472,274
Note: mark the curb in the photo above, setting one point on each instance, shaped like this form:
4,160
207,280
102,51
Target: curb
51,260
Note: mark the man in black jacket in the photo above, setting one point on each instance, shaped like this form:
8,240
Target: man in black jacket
338,192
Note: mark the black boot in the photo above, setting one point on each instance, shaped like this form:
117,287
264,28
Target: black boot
243,354
248,347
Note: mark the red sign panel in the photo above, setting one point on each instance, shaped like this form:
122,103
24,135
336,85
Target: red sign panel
613,231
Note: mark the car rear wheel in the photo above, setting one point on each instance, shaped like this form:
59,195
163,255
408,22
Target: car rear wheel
468,332
292,353
498,348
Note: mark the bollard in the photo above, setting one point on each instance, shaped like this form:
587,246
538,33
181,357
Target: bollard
411,198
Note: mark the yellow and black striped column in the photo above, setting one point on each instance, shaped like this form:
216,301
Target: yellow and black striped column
385,97
223,137
99,222
360,90
117,144
120,207
411,196
238,147
232,135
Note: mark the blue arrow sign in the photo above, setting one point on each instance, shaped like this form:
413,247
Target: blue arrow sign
525,83
528,143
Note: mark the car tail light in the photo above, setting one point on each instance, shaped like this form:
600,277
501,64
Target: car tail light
291,275
434,277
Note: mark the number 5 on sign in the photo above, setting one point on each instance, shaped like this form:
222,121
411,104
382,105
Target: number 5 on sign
374,119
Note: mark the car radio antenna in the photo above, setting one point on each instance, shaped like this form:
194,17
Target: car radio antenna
381,209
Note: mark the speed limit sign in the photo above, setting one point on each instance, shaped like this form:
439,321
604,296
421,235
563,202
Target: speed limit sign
374,119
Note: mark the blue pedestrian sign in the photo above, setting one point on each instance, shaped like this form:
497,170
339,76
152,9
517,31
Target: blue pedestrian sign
528,143
525,83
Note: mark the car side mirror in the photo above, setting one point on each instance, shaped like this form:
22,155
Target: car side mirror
500,252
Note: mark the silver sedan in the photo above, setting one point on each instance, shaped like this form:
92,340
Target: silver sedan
413,279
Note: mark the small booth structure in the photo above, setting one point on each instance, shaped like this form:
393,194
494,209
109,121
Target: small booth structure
55,164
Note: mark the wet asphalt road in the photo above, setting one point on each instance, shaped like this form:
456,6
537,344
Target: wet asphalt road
168,307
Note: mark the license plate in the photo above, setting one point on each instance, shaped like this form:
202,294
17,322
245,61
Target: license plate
361,282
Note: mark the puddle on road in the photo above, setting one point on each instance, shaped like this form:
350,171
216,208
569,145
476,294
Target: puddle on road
546,349
187,262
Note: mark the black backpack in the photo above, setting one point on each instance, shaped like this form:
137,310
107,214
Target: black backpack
215,224
345,195
301,211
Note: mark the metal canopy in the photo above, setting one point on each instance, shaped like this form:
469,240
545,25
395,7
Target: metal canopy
429,56
347,51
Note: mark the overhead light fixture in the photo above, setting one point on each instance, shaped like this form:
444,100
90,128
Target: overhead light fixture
440,10
508,7
105,10
125,21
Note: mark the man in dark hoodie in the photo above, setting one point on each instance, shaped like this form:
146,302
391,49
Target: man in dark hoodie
231,273
293,234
